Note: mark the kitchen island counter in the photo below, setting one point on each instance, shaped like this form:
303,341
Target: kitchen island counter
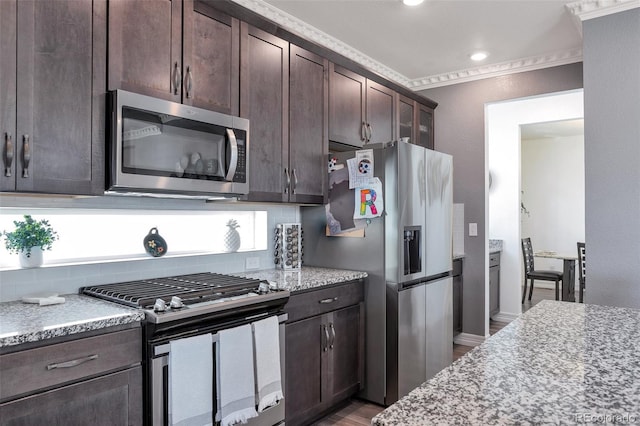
23,322
307,278
559,363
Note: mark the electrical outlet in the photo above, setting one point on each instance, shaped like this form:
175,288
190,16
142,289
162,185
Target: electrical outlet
473,229
252,263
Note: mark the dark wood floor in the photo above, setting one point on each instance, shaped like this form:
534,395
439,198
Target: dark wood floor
360,413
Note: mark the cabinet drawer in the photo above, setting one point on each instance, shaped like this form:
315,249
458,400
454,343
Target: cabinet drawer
33,369
324,300
494,259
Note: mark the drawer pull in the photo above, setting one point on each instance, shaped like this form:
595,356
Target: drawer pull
72,363
329,300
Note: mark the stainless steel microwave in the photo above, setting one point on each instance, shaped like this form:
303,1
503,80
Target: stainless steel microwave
158,147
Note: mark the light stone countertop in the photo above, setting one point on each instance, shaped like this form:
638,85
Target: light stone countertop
495,246
307,278
25,322
558,363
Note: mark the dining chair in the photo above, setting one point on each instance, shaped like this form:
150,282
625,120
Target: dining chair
530,272
581,269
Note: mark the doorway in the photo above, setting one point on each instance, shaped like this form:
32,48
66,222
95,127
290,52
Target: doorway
503,121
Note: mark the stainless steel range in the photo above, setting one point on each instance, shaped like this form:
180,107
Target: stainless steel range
185,306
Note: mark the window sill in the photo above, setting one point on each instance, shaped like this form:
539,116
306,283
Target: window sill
105,260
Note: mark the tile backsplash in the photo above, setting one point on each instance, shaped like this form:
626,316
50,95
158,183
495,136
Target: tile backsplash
66,279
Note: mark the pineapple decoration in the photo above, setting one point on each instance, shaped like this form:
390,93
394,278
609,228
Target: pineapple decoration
232,237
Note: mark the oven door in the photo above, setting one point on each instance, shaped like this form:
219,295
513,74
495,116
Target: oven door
162,146
158,380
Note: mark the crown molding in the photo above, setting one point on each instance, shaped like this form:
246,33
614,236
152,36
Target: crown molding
589,9
496,70
311,33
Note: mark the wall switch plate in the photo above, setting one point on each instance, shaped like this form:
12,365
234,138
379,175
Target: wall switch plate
252,263
473,229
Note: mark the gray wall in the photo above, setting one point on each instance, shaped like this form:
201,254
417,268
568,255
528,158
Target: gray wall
459,131
612,158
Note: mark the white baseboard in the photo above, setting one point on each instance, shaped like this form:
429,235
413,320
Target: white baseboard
467,339
505,317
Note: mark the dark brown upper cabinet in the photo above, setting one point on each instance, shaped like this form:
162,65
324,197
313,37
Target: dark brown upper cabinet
406,118
308,127
415,121
264,100
52,101
361,111
180,50
424,136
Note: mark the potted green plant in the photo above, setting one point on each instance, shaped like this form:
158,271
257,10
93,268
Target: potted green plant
30,238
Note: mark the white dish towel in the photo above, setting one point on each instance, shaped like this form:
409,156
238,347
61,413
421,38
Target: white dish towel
267,345
235,372
191,381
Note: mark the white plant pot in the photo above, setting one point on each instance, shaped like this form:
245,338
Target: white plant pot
32,261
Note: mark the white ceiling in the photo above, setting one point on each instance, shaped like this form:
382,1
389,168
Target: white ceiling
552,129
429,45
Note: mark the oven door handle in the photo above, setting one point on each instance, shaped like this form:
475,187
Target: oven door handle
233,164
164,349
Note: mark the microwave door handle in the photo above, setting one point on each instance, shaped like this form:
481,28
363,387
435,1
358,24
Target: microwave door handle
234,155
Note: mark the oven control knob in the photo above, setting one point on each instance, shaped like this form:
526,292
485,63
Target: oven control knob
263,288
160,306
176,303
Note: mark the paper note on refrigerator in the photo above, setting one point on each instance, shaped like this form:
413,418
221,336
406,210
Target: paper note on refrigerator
361,168
369,202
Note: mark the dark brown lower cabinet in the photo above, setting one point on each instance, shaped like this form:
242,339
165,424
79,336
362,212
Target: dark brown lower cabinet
457,296
324,362
94,380
114,399
494,284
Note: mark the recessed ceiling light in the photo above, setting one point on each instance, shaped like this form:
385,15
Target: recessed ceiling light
412,2
479,56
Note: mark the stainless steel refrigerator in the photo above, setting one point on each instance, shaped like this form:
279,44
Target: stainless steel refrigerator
407,253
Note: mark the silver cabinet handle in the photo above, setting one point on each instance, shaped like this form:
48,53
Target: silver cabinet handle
370,132
363,132
233,163
72,363
188,85
288,176
26,156
326,336
333,335
177,79
295,181
8,154
329,300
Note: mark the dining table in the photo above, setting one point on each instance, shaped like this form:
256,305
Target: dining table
568,272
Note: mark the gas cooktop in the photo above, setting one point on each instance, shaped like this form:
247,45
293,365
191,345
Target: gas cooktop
173,298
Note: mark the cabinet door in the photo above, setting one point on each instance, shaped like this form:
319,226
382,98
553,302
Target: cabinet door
308,125
344,372
494,290
346,106
264,97
306,345
145,47
380,113
114,399
406,118
60,102
457,304
211,59
8,94
425,127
